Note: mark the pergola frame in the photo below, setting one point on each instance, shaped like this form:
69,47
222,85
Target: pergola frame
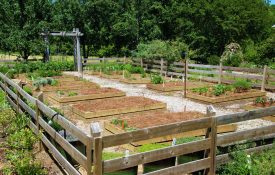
76,35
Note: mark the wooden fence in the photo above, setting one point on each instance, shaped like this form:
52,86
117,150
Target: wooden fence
261,78
96,143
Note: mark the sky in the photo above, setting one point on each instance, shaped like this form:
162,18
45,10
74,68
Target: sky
272,1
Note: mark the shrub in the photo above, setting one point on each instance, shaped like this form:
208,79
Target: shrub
201,90
28,90
220,89
214,60
242,85
156,79
22,139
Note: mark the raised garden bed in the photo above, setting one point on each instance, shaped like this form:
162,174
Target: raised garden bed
262,103
223,93
174,86
116,106
73,85
152,119
67,97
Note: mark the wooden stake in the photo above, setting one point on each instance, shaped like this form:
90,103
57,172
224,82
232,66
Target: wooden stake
185,78
220,73
264,78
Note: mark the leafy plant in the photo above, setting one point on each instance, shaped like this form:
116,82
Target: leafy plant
22,139
260,100
241,85
220,89
200,90
71,94
27,89
156,79
60,93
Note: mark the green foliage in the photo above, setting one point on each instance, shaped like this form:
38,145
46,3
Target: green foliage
23,163
156,79
27,89
157,49
111,155
242,85
213,60
71,94
220,89
187,140
22,139
123,124
260,100
201,90
152,146
6,118
44,81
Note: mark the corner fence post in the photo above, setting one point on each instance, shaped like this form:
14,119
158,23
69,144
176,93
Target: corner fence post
220,73
264,78
98,148
212,134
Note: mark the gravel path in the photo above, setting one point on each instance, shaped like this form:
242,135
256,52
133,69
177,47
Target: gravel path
175,102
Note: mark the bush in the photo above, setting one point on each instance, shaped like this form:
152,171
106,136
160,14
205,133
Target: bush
213,60
22,139
242,85
156,79
220,89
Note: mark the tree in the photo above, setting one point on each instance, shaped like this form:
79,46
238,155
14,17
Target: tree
22,21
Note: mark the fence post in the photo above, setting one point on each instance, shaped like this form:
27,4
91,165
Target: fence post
211,133
264,78
17,101
185,78
161,66
97,153
141,62
220,73
37,115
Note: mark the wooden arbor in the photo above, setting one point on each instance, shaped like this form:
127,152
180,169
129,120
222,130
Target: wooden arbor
76,35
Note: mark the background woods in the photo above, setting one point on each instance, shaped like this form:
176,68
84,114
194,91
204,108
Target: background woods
117,27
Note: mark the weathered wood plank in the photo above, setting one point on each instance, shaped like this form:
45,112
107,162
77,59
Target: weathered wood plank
84,138
61,160
203,66
247,76
202,71
160,154
243,116
154,132
71,150
184,168
245,135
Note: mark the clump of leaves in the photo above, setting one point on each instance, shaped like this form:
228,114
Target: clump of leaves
260,100
27,89
201,90
71,94
44,81
60,93
22,139
6,118
156,79
220,89
242,86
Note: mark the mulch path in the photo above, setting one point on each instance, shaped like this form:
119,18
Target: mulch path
115,103
159,118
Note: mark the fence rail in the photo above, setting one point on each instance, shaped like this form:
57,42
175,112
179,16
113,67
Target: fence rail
95,143
262,78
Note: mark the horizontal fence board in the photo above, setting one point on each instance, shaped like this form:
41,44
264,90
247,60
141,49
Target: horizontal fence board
84,138
160,154
184,168
249,76
243,116
71,150
58,156
202,71
154,132
243,69
245,135
203,66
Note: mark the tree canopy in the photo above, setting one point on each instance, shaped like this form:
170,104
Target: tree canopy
116,27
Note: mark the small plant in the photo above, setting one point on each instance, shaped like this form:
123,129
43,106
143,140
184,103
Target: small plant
127,74
143,75
261,101
71,94
22,139
60,93
220,89
156,79
27,89
242,86
201,90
